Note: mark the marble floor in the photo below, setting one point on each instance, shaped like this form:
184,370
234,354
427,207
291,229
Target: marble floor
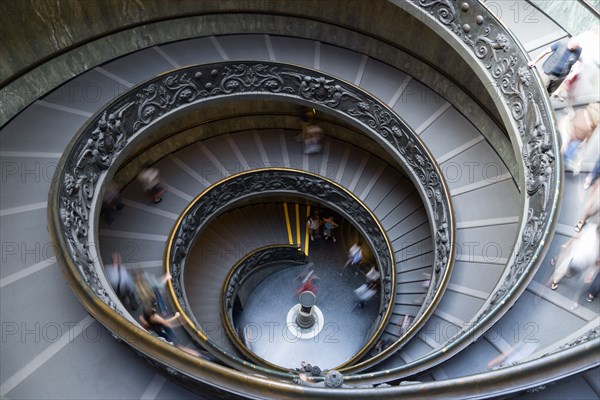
345,326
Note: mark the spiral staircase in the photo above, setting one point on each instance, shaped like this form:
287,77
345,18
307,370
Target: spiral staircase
488,292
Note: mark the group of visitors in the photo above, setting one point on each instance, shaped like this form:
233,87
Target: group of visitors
141,290
561,73
314,224
138,289
307,277
580,255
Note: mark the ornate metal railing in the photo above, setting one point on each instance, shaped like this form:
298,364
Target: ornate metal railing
248,266
259,183
496,56
95,153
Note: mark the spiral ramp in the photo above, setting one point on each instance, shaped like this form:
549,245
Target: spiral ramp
48,335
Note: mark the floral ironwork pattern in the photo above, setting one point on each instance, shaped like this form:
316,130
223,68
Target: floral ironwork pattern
258,183
93,156
108,134
506,65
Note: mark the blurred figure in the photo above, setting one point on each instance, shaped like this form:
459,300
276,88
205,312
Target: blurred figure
308,282
121,281
311,133
515,354
328,226
162,327
314,225
406,321
565,88
592,207
593,176
158,286
368,289
593,279
152,184
576,129
308,286
312,139
355,256
577,255
111,202
584,88
150,289
306,273
373,275
146,294
427,282
563,55
364,293
383,344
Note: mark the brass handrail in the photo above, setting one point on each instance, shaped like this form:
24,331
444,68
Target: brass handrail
225,193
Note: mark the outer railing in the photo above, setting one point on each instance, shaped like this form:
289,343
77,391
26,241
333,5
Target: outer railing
497,56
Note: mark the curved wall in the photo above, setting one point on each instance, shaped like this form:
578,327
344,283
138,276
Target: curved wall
49,43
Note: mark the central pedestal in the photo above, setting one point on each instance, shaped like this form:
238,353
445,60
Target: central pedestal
338,332
306,318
